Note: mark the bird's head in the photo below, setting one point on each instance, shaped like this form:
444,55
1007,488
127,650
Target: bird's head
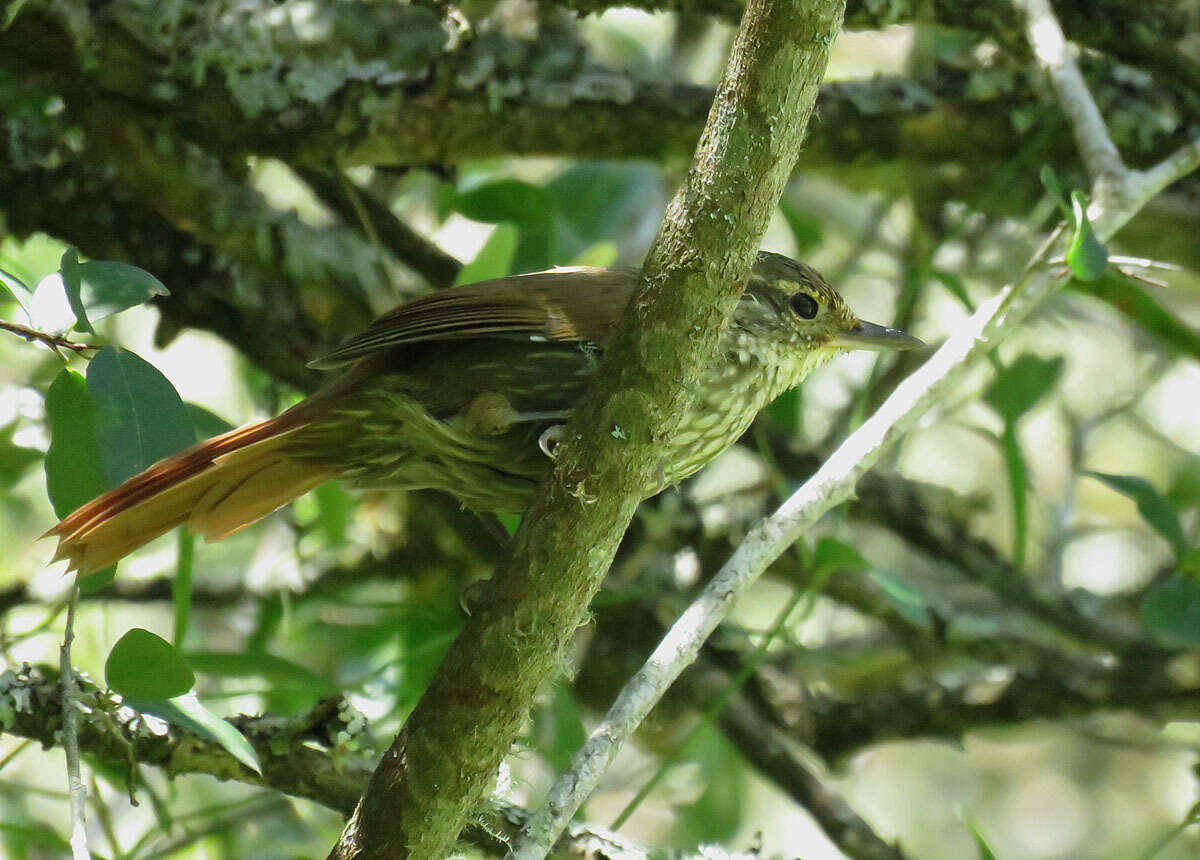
789,304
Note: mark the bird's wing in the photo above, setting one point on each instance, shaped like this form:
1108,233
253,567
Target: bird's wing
543,306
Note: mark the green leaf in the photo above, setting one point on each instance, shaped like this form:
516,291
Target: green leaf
1138,306
334,508
145,666
494,259
187,712
139,416
1018,387
1085,255
1154,507
206,424
594,201
15,287
909,601
1171,610
805,227
833,556
985,850
15,460
598,254
531,208
108,287
258,664
68,268
786,411
954,284
100,288
73,465
1054,189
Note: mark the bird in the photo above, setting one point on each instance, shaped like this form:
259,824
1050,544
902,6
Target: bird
462,390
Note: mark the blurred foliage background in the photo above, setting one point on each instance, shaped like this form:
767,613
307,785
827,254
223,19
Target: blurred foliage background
994,649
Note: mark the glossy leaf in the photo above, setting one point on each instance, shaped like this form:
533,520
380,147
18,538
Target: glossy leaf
1154,507
143,665
139,416
1085,255
1018,387
187,712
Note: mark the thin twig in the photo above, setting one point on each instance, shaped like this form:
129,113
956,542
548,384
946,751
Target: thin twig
70,700
54,341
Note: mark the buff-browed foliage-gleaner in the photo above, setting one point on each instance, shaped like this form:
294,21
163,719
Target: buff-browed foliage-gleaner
459,390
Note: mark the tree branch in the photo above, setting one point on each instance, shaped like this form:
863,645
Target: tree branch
442,763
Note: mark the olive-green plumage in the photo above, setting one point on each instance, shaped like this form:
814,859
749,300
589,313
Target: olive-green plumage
456,391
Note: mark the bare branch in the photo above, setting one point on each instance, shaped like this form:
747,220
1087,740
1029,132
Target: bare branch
54,341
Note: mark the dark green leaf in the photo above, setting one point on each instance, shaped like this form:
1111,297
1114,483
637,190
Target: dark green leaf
92,582
139,416
73,469
1171,610
145,666
1139,307
786,412
1154,507
1085,255
494,259
187,712
1022,384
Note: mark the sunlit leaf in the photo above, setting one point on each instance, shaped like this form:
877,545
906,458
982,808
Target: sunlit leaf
142,665
1154,507
187,712
14,287
1085,255
494,259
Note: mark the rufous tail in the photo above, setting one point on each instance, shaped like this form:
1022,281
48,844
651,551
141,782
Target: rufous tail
215,488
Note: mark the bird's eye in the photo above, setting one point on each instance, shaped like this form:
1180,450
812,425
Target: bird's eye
804,305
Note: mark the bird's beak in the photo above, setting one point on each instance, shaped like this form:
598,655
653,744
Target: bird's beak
867,335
